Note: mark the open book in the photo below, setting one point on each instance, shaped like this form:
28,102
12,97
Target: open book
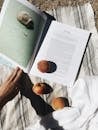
28,36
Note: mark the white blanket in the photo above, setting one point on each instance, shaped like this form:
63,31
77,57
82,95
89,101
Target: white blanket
83,113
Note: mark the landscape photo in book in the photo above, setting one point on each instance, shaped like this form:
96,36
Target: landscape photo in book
20,29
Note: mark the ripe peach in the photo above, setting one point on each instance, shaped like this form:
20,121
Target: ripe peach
41,88
59,103
43,66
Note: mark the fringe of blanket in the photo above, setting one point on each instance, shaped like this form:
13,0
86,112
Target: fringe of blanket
51,4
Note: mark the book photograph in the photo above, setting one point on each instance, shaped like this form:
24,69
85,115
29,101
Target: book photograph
48,66
20,30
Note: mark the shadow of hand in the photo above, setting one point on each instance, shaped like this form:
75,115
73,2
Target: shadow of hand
40,106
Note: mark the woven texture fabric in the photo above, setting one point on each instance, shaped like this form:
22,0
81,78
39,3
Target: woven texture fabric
49,4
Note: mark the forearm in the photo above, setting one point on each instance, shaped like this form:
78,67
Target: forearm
2,99
10,88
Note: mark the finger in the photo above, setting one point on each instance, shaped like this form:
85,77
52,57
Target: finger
16,89
18,76
18,86
15,92
13,74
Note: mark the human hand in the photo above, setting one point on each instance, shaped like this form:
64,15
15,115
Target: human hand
10,88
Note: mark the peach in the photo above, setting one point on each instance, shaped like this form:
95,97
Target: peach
59,103
41,88
43,66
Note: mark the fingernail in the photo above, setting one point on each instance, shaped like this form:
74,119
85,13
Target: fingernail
17,68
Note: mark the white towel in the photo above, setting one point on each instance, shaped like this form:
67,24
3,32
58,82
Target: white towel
83,113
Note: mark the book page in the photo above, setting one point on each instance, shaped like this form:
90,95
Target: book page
63,45
21,26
